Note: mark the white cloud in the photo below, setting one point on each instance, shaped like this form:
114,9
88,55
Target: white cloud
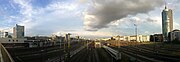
82,1
26,13
49,19
26,8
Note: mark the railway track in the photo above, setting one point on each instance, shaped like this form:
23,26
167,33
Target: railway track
39,54
152,54
104,56
91,54
86,55
149,55
80,57
153,51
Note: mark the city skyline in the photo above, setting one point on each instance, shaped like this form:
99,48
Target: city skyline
85,17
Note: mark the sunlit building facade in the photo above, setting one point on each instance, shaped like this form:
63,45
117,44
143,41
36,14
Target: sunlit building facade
167,22
140,38
18,31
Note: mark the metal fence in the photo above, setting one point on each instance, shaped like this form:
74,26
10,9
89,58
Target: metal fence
6,57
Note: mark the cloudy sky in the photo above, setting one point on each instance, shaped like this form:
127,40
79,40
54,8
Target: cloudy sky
87,18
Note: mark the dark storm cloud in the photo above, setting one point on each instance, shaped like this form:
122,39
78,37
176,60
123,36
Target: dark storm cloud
102,12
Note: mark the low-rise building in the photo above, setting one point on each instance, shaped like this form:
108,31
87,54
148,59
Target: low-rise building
156,38
132,38
139,38
144,38
174,35
14,42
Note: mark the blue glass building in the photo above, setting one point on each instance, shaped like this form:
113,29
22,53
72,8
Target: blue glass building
167,22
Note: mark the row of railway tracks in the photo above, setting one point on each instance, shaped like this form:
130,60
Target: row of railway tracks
136,52
125,53
42,54
91,54
146,53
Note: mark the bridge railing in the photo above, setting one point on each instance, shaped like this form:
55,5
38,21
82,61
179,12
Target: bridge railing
6,57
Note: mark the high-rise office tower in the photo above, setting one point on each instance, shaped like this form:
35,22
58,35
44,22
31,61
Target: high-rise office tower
18,31
167,22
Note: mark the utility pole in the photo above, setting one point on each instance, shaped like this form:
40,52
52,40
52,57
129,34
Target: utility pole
119,52
67,46
136,37
136,32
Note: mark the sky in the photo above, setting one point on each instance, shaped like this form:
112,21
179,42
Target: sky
86,18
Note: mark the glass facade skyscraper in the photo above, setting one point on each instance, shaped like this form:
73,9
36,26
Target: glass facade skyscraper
167,22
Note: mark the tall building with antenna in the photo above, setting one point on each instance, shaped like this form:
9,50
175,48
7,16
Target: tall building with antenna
167,22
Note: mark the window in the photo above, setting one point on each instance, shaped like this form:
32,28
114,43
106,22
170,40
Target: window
9,40
16,40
